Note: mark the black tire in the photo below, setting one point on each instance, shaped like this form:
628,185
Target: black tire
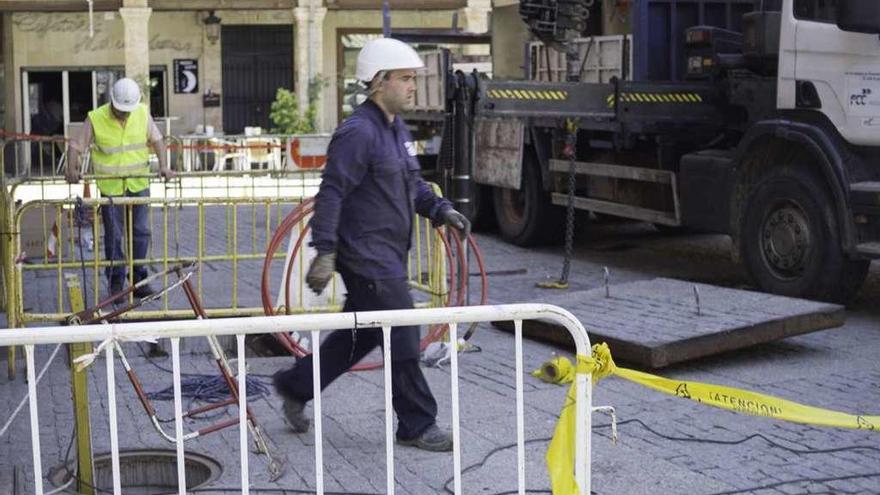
791,242
671,230
527,217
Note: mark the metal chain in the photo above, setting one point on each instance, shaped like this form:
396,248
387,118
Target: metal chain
570,152
573,72
572,59
569,209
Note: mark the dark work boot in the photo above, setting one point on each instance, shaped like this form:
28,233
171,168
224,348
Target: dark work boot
292,407
143,291
433,439
295,416
117,285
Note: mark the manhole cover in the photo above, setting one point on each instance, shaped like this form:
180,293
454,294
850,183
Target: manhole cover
146,472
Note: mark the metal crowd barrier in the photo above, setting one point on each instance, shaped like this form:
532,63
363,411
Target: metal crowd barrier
45,156
247,152
30,155
212,224
222,220
314,324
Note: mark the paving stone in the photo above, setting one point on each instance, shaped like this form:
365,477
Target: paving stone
829,369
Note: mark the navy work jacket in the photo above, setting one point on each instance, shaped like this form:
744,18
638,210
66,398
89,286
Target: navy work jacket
370,189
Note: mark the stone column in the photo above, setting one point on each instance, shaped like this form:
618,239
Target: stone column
309,58
137,42
11,77
212,75
475,19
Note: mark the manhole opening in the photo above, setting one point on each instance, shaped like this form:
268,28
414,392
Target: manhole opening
146,472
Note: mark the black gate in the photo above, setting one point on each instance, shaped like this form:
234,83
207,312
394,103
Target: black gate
257,60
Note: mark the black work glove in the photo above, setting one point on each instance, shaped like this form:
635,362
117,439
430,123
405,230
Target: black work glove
321,271
457,220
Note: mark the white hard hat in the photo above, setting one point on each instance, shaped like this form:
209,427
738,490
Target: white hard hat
125,95
385,54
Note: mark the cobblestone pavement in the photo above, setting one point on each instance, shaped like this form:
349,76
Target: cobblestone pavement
667,445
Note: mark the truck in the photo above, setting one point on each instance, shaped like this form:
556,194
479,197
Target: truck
755,119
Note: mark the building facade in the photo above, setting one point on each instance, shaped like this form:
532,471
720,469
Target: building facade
205,63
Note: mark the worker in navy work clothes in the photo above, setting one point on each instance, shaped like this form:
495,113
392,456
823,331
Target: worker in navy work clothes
364,210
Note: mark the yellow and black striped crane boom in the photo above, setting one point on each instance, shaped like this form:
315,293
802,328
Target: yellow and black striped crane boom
644,105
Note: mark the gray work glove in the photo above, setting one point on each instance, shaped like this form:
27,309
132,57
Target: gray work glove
166,173
72,175
321,271
457,220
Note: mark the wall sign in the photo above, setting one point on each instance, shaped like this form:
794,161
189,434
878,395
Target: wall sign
186,75
211,99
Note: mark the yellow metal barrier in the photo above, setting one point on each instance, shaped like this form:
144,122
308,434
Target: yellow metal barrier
80,392
221,220
35,156
211,236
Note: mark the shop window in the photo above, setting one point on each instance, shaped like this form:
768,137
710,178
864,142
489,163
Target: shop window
80,84
46,110
85,90
157,93
349,43
104,79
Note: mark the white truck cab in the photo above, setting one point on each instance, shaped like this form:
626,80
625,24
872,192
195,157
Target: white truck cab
833,48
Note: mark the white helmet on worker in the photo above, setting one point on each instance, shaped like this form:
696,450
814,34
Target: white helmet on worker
383,54
125,95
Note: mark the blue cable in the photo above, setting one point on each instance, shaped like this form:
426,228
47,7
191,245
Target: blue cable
210,388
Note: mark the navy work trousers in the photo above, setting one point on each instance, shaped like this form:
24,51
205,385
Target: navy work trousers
115,219
411,396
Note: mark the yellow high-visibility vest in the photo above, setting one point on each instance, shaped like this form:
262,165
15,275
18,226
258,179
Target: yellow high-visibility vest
120,150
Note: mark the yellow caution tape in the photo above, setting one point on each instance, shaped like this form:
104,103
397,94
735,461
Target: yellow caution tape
560,370
560,453
552,285
557,370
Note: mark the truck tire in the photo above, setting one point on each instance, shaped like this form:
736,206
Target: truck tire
670,229
527,217
790,239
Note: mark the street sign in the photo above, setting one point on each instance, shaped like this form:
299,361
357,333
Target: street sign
186,75
211,99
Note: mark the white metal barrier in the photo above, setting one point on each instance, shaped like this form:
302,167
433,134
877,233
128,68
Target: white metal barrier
314,323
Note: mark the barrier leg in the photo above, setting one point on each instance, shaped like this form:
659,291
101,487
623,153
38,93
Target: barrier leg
79,383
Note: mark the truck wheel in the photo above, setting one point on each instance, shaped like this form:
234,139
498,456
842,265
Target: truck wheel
671,230
527,217
791,242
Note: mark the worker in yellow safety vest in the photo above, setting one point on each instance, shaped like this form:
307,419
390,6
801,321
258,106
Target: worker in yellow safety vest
120,135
